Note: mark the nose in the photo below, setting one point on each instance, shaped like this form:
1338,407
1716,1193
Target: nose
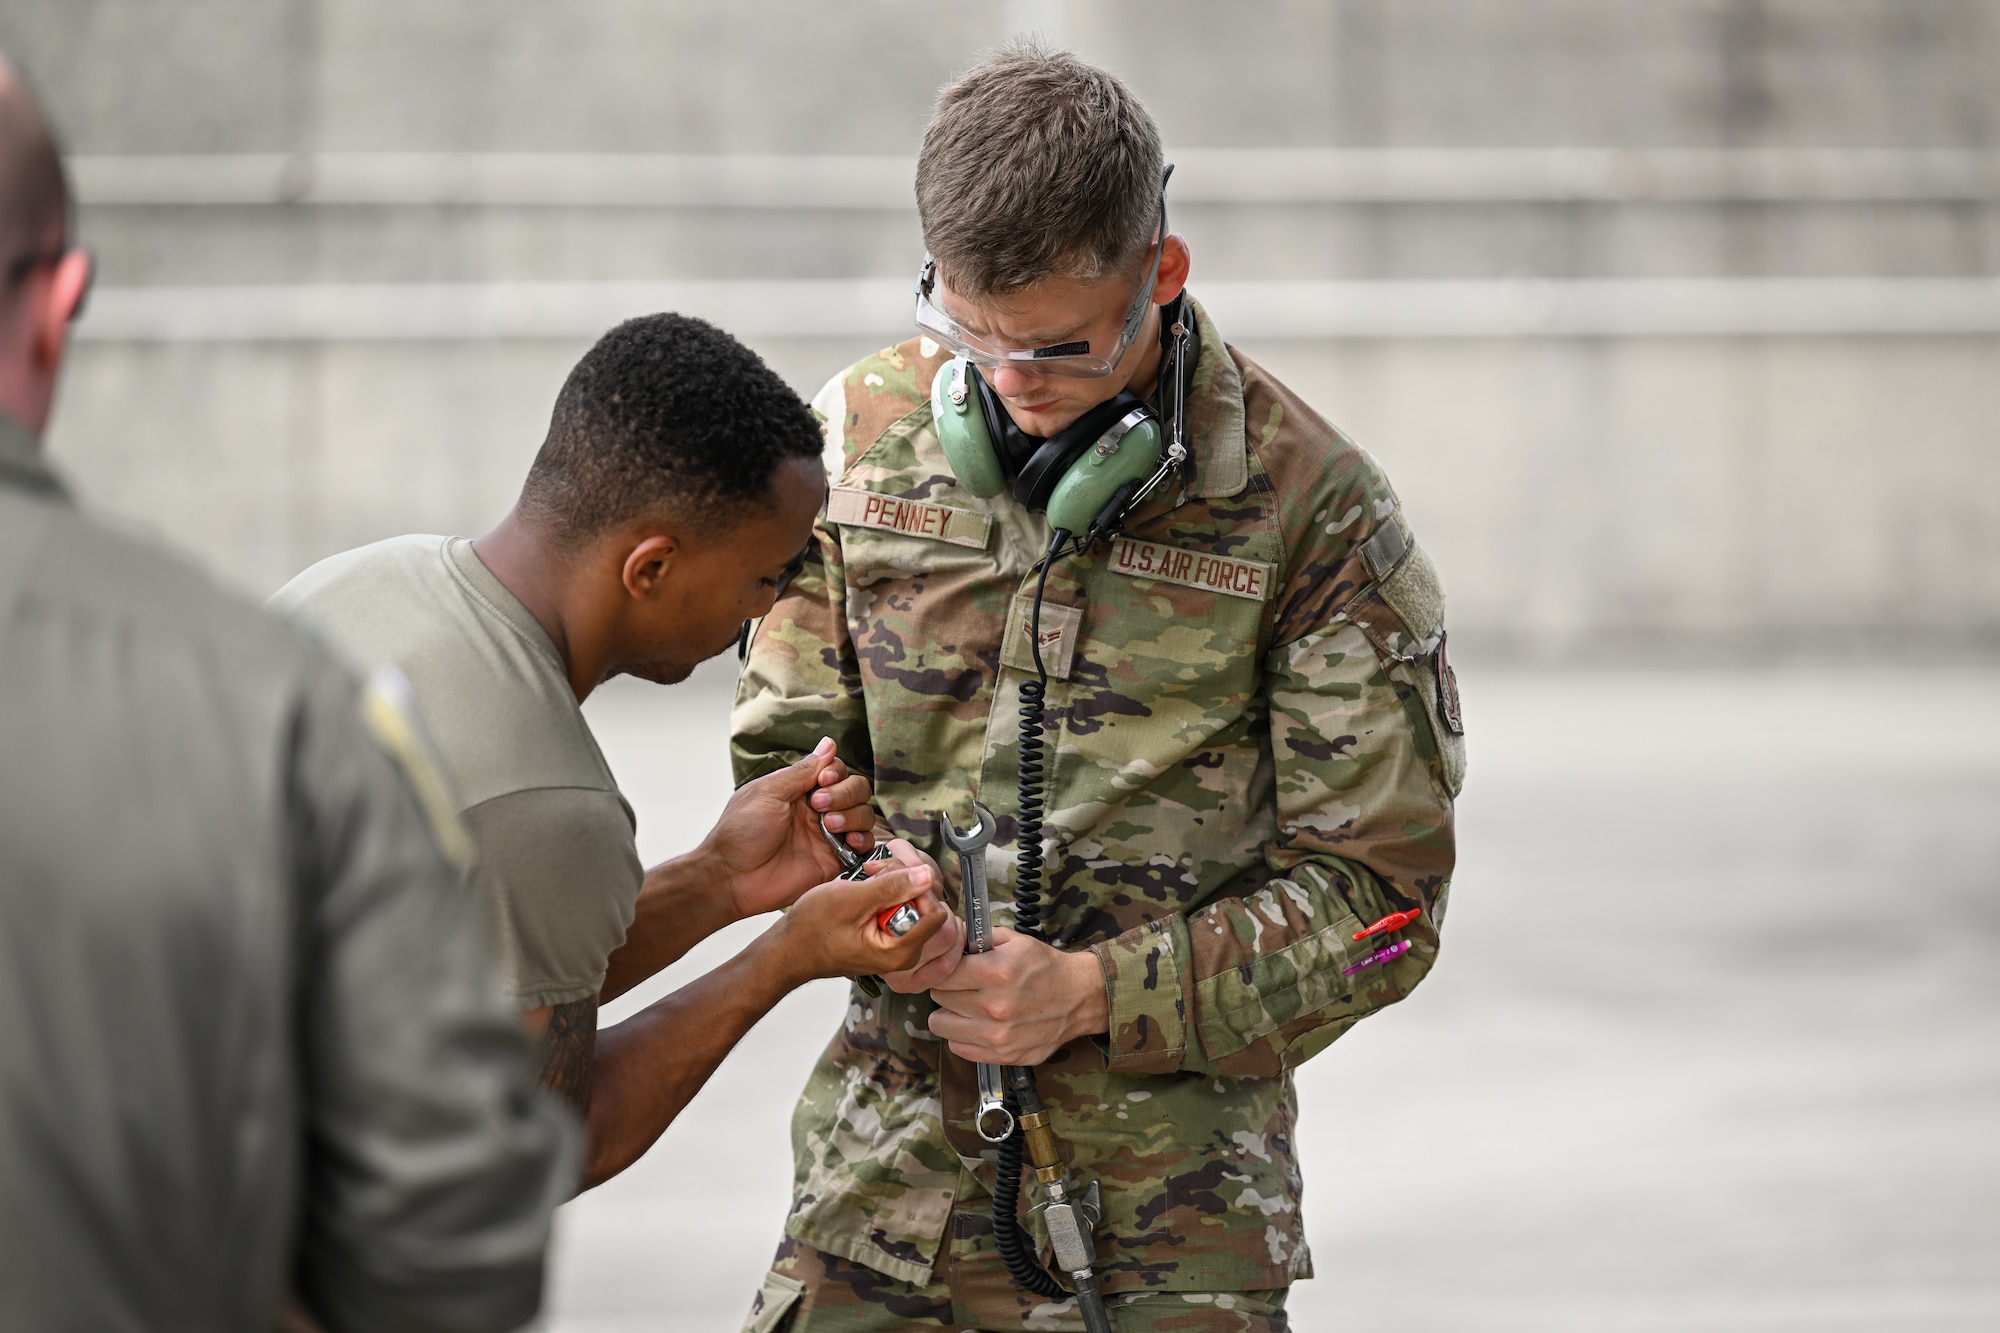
1010,381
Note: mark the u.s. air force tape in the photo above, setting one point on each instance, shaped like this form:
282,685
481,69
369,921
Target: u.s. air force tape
1225,574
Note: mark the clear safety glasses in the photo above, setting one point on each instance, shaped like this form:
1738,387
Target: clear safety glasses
1071,360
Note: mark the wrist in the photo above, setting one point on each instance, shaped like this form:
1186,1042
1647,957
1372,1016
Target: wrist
1090,1007
695,886
778,956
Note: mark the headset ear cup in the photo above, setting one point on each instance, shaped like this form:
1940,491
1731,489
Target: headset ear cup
961,430
1089,484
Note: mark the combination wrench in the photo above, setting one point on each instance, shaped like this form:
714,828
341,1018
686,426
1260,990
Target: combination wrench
993,1120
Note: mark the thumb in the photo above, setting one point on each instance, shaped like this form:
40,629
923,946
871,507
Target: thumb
801,776
898,883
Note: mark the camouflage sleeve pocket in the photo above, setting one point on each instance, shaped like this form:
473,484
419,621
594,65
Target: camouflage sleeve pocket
1144,981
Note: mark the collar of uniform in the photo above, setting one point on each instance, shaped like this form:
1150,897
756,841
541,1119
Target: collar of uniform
465,561
21,462
1215,415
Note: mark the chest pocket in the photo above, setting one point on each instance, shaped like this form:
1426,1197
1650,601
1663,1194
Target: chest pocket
886,539
1169,641
1155,764
919,577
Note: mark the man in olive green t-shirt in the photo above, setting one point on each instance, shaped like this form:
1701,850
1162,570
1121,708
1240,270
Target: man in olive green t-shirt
677,486
533,788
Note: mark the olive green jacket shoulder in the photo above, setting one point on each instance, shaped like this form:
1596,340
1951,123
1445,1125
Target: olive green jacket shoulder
252,1044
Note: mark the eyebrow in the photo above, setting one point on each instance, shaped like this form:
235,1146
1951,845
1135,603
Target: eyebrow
1033,340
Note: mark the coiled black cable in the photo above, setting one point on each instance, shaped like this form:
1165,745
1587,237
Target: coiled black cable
1009,1237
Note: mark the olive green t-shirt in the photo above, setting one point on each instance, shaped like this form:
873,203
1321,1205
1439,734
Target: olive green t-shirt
554,857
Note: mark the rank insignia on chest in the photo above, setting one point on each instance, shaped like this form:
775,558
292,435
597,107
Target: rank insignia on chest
1060,626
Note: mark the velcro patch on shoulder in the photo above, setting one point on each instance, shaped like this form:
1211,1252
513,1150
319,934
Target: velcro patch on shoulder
1224,574
913,518
1415,595
1384,551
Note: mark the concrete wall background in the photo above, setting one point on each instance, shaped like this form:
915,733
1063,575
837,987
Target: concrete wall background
1590,487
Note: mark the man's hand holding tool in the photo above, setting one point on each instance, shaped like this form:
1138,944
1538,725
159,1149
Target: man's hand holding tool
778,834
835,929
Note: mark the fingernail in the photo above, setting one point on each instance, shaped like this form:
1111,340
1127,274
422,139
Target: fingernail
825,745
821,800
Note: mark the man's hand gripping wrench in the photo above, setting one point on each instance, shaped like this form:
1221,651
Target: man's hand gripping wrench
993,1120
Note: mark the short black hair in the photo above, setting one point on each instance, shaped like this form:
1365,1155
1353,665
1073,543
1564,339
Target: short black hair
666,413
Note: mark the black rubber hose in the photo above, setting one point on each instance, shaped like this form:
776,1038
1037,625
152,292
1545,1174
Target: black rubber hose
1009,1236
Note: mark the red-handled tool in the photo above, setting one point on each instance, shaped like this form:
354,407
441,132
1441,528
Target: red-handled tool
898,920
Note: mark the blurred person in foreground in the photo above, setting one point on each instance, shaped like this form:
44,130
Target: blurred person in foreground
1253,738
677,485
250,1041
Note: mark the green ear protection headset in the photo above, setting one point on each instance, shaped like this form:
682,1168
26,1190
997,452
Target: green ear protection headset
1072,476
1086,477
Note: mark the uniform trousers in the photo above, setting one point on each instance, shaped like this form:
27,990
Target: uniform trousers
810,1291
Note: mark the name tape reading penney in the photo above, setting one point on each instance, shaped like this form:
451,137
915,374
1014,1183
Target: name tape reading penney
889,513
1192,569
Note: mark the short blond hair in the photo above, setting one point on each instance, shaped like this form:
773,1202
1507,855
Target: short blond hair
1036,164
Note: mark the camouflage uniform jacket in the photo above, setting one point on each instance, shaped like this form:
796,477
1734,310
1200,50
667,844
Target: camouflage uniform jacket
1250,759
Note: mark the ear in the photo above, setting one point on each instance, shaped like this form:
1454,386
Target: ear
50,332
648,565
1175,261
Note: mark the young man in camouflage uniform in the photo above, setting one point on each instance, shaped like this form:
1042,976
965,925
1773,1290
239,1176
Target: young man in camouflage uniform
1253,751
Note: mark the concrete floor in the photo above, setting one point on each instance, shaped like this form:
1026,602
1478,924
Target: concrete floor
1712,1046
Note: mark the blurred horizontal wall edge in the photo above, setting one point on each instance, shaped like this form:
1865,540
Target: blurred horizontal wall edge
842,308
883,182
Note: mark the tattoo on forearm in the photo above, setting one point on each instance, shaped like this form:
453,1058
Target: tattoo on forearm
567,1047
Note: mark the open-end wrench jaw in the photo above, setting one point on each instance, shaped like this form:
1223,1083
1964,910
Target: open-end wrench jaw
973,839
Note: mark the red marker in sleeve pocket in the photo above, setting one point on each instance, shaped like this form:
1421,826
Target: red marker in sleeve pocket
1393,921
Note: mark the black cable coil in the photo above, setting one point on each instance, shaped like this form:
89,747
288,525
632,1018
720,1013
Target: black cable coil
1009,1237
1028,838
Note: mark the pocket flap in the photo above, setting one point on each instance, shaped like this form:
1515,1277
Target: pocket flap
774,1300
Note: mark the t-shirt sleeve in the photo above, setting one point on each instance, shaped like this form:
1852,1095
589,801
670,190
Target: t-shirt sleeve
559,876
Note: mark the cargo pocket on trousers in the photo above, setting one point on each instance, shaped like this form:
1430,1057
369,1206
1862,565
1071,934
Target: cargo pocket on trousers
773,1307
